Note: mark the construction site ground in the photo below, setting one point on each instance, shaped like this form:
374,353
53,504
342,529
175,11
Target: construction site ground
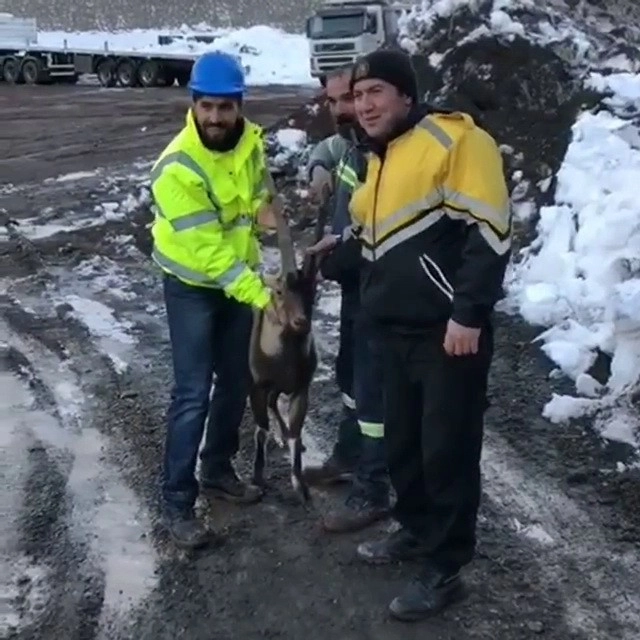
82,322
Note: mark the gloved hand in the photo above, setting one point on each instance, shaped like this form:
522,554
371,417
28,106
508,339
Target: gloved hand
321,183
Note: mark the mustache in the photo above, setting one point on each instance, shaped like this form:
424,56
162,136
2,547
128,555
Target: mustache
344,119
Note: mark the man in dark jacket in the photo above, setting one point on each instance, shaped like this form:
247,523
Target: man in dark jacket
358,373
434,226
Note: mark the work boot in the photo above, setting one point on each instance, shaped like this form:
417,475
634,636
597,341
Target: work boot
187,531
427,595
331,471
368,501
358,512
396,547
226,485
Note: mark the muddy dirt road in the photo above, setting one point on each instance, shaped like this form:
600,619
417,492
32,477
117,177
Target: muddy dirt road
56,130
84,381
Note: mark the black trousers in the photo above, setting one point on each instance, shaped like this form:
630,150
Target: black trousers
434,420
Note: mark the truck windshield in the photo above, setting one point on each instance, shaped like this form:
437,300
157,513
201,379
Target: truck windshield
336,26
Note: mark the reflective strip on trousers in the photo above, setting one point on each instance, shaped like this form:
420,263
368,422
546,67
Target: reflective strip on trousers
222,281
371,429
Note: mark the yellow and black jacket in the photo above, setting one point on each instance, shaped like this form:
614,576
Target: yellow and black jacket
434,223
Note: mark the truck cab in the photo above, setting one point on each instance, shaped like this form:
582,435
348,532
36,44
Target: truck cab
341,31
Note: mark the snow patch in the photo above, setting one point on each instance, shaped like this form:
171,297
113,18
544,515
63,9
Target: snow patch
104,511
113,335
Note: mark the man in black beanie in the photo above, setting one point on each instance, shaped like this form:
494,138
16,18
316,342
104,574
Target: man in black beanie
434,224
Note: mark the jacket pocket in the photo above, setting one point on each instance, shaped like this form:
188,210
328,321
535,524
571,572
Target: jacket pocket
436,275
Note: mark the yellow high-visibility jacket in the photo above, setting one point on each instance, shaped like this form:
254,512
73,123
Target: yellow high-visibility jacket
434,220
207,202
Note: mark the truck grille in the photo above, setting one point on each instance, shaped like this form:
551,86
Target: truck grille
326,62
334,47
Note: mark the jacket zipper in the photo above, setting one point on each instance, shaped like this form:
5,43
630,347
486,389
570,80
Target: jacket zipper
375,208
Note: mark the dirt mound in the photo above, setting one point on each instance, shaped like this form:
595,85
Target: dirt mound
526,96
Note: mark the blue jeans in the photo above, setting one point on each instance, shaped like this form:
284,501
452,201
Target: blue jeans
209,334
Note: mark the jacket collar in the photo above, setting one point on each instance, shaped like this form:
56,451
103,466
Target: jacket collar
379,147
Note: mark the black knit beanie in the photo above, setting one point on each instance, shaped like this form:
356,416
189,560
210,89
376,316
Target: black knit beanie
393,67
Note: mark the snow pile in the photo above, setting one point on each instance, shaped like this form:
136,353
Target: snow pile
288,150
581,276
269,55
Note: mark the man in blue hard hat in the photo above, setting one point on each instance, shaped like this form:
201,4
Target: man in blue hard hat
212,189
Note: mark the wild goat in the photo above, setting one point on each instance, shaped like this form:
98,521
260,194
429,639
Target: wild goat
282,356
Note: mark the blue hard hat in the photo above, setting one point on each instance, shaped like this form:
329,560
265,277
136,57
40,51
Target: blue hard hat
217,74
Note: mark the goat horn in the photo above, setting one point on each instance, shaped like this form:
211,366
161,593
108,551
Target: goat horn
283,232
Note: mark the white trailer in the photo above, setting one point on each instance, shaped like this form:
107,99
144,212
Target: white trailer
24,61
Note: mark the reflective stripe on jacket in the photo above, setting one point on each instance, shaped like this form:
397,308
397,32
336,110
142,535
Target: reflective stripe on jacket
435,224
207,202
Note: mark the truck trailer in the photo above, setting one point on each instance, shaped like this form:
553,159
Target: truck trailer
24,61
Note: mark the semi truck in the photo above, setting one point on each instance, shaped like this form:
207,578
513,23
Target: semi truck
340,31
24,61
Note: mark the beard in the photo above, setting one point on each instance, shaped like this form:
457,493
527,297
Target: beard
349,129
220,137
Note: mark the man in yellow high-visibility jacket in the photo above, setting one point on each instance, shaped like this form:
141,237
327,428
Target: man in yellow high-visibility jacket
210,186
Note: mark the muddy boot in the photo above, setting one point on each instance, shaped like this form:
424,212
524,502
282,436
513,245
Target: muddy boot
187,531
427,595
396,547
368,501
226,485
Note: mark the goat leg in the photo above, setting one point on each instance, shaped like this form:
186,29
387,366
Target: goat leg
298,406
283,432
258,401
283,436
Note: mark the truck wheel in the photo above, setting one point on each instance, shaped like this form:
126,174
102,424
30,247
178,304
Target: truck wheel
126,73
149,74
11,71
106,72
33,71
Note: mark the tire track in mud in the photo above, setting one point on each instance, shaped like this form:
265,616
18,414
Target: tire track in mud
69,525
